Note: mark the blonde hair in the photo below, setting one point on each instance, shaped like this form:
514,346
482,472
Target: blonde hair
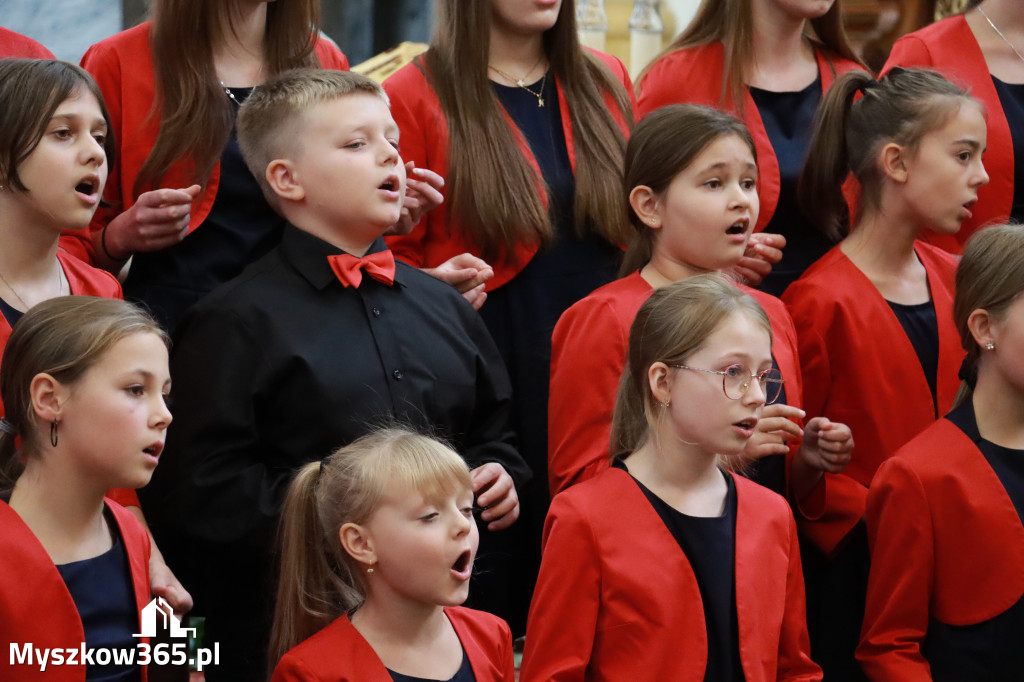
990,276
270,118
63,337
671,325
319,580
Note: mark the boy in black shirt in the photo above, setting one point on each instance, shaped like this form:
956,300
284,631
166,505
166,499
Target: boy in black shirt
312,346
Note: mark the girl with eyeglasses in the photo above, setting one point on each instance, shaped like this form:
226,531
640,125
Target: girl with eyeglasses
666,566
878,346
690,179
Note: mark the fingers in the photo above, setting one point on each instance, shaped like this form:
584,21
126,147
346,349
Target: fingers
750,270
165,584
766,246
496,493
476,296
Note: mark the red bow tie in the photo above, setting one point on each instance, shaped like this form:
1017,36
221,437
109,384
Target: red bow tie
349,269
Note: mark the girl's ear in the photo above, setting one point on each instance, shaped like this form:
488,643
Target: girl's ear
48,396
357,541
283,179
980,324
659,378
894,162
646,205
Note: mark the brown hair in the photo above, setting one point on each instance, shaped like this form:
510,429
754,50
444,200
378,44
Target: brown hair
671,325
63,337
661,146
902,107
731,23
319,581
492,187
195,115
990,276
30,92
270,119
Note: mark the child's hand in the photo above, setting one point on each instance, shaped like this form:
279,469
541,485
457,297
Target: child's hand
774,428
163,584
422,194
827,446
496,493
764,250
467,273
157,220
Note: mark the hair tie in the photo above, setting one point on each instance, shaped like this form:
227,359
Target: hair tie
323,466
864,87
8,427
968,372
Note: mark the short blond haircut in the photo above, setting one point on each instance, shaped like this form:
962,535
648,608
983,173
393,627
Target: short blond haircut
270,118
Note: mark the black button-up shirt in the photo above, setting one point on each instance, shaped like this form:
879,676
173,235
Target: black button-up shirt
282,365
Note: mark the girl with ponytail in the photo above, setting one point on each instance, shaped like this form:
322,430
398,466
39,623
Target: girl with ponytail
877,344
377,547
944,515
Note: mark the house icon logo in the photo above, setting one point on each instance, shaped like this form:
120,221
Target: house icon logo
159,608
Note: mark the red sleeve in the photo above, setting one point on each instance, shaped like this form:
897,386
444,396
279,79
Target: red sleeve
403,91
294,669
794,644
562,623
837,503
330,56
902,577
659,87
16,45
908,51
584,381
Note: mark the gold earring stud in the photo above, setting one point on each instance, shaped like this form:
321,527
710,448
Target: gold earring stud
990,346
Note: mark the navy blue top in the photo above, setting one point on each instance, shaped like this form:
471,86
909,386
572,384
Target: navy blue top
103,592
990,650
1011,96
788,119
9,313
709,544
463,674
921,327
521,315
240,228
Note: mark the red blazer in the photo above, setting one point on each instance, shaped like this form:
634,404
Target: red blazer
946,542
695,75
579,422
338,653
36,605
950,47
16,45
617,600
425,140
859,368
123,67
83,280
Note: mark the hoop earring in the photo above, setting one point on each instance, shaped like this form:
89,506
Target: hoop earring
53,433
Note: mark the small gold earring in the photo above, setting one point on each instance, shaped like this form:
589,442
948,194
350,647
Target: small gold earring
667,404
370,570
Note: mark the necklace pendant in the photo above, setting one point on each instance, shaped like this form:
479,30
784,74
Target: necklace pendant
540,101
520,83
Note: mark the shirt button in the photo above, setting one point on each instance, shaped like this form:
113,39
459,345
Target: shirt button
376,312
397,374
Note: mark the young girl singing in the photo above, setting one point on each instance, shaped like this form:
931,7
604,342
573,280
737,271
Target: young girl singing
55,144
878,346
378,542
690,179
944,514
84,380
665,566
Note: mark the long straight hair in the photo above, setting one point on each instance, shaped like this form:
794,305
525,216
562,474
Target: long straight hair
492,188
731,22
195,115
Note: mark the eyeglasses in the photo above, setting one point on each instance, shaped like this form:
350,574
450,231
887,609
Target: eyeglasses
736,379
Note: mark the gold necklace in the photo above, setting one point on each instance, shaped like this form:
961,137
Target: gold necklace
521,84
1000,34
60,287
